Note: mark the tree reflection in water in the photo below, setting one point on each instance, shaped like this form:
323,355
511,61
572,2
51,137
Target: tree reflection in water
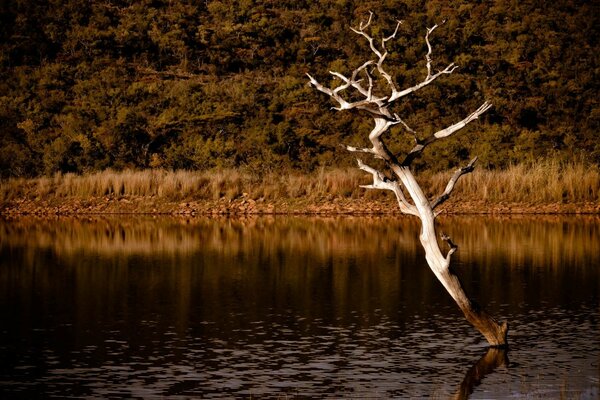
493,358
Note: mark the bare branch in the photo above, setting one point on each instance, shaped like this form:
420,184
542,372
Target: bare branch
353,149
472,117
327,91
361,31
370,91
376,106
354,82
429,51
392,36
384,74
430,77
362,27
421,144
381,55
381,182
408,128
448,70
453,247
381,125
450,186
372,106
380,69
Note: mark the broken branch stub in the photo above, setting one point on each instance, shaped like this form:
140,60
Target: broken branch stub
411,198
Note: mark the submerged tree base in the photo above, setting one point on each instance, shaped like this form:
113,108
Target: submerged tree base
495,333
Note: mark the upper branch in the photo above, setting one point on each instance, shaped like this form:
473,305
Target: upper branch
361,31
381,54
378,105
352,81
370,103
430,77
448,70
429,51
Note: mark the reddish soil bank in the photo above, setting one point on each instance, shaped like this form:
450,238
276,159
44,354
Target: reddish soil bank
243,206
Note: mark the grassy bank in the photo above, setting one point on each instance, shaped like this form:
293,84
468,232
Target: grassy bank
522,186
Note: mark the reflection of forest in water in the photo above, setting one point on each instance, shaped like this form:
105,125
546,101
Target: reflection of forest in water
325,299
551,240
361,262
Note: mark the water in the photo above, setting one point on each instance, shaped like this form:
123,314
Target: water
294,307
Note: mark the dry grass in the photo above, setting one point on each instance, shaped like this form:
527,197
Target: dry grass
180,185
540,183
545,182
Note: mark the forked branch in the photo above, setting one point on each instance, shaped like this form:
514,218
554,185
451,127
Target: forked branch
382,54
373,105
450,186
430,77
381,182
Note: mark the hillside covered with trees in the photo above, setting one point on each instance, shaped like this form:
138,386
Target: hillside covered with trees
86,86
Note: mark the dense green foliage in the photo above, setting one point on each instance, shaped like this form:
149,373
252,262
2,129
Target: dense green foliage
201,84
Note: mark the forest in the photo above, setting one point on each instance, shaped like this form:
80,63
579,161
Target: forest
198,85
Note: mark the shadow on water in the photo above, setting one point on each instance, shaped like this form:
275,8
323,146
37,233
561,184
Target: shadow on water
296,307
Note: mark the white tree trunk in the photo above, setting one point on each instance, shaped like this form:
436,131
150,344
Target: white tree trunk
495,333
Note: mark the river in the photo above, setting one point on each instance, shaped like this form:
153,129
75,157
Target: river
294,307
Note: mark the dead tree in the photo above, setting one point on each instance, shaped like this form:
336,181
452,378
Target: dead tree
357,92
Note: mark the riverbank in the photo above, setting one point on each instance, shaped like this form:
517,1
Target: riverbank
243,206
549,188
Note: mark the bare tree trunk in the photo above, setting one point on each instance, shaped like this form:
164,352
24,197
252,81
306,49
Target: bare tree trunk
419,205
495,333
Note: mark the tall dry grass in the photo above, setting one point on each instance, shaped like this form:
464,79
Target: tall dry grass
543,182
179,185
539,183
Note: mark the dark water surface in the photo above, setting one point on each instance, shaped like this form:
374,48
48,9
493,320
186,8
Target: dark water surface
296,307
